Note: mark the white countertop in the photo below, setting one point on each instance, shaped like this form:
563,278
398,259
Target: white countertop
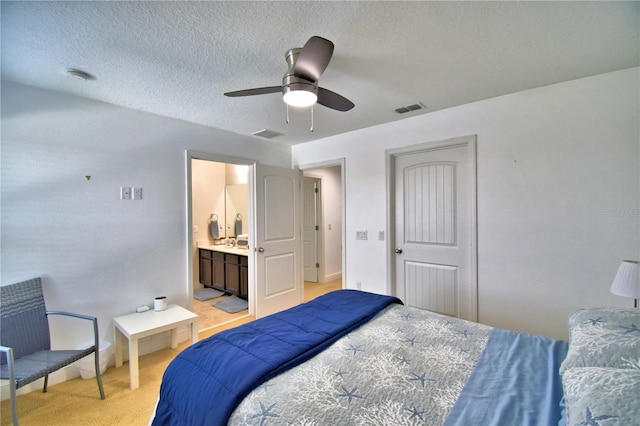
226,249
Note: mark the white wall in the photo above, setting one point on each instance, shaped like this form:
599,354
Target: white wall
98,254
558,195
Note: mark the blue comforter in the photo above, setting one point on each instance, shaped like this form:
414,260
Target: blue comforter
227,366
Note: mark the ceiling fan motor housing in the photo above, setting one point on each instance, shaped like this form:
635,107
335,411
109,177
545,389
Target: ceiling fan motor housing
292,82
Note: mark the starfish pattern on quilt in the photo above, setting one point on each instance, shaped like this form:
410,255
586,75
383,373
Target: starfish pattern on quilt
265,413
422,378
340,373
350,394
403,360
411,340
415,413
465,333
354,349
595,321
631,329
590,420
265,386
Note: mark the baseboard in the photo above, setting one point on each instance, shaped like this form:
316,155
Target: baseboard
332,277
146,346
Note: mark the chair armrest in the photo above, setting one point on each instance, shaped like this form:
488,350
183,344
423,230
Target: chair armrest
71,314
9,354
8,351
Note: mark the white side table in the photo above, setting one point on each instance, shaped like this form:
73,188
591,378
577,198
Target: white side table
138,325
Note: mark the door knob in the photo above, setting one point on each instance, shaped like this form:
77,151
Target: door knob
398,250
260,249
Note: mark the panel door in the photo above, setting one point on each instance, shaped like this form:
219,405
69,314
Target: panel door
278,241
435,266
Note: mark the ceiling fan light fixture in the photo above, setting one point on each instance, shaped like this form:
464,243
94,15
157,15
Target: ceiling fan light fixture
300,98
300,95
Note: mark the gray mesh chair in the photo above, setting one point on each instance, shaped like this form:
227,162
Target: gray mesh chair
25,339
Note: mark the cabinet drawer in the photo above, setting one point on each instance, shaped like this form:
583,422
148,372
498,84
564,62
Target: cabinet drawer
218,256
205,254
232,258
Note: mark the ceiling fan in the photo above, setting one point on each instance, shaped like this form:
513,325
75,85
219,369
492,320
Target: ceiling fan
300,83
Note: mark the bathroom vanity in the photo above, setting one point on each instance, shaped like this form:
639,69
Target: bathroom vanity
225,268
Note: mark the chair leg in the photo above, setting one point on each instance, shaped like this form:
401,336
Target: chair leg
14,408
98,376
46,382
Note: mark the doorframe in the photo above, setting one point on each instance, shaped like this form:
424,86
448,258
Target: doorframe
207,156
343,213
390,159
319,236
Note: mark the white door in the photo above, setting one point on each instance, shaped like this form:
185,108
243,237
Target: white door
435,232
279,283
310,228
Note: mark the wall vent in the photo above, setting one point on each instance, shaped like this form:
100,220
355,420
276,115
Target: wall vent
267,133
409,108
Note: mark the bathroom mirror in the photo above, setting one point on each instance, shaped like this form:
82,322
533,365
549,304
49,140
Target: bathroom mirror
236,208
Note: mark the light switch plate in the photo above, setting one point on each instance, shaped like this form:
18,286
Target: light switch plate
125,193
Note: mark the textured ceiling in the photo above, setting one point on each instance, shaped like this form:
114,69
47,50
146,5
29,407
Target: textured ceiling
178,58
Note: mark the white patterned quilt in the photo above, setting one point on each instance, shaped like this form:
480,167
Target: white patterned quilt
406,366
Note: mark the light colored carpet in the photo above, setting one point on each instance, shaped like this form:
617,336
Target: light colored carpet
77,401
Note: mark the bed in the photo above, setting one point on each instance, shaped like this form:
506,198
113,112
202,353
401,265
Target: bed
357,358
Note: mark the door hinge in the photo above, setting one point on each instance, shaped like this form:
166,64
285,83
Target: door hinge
315,190
317,228
317,265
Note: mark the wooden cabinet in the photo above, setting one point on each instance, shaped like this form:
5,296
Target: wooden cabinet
217,267
205,267
232,274
225,272
244,276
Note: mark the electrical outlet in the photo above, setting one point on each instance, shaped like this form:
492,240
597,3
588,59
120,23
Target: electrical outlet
381,235
195,229
358,285
361,235
125,193
137,193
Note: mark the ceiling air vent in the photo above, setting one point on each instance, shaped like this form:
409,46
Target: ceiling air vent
409,108
267,134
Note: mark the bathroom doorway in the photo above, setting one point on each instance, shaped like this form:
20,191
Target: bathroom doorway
220,220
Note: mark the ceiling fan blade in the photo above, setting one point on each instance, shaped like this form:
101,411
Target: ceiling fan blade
313,58
334,101
256,91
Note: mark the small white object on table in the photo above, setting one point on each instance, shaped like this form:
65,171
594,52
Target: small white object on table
138,325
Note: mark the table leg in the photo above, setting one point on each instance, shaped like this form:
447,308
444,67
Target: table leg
134,378
194,331
174,338
118,339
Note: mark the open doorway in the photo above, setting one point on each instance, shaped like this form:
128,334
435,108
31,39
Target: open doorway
323,228
219,220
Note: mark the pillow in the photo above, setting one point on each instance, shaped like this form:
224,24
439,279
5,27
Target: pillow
604,396
603,337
